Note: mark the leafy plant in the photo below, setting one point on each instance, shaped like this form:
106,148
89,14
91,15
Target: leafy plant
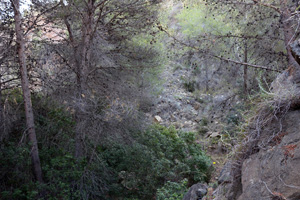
156,156
172,190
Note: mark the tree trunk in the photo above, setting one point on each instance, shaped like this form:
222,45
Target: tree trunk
26,92
245,70
1,113
82,56
82,70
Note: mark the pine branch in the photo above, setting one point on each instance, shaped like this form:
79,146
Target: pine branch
216,56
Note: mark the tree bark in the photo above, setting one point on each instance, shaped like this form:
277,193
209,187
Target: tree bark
82,69
82,56
1,113
245,70
26,92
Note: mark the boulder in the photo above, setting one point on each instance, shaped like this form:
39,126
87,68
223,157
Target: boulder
225,183
196,192
214,134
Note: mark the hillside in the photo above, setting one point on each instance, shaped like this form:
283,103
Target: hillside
148,99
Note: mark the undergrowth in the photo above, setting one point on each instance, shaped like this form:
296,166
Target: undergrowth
156,162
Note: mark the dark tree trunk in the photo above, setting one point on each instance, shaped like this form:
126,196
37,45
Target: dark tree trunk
26,92
82,56
83,69
1,113
245,70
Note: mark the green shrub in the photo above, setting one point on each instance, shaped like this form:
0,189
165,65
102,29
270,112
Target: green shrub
190,86
15,168
172,190
61,173
156,156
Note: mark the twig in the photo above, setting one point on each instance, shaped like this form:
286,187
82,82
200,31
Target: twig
23,135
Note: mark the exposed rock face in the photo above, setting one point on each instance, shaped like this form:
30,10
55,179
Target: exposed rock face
225,175
274,171
196,192
225,183
175,105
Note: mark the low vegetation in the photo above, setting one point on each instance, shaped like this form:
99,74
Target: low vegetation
148,163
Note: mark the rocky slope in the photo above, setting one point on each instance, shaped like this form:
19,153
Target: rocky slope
269,172
176,106
272,172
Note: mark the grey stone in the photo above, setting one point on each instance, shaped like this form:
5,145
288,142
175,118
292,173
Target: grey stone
225,174
196,192
198,119
273,169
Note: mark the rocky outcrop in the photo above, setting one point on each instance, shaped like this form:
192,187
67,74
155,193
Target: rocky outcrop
274,171
225,175
196,192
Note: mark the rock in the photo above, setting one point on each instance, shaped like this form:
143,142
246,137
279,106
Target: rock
225,174
189,112
273,171
221,191
197,105
218,99
157,119
214,134
221,99
275,168
196,192
225,183
295,47
198,119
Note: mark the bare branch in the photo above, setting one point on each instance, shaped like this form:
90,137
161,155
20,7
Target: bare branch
245,64
39,15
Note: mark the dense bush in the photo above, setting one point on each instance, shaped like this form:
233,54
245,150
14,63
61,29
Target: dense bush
155,158
172,191
60,170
